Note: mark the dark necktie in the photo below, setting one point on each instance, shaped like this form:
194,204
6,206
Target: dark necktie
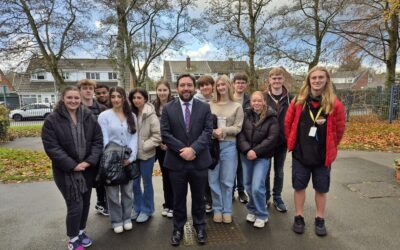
187,116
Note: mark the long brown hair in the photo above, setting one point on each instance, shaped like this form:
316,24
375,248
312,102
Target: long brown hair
125,108
65,90
157,102
328,94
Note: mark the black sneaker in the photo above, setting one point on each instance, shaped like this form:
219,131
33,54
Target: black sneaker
102,209
299,224
208,208
243,197
280,205
320,228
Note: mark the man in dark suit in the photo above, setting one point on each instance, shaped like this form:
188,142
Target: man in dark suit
186,129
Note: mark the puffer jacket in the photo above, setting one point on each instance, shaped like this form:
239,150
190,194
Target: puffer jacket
59,145
111,171
148,132
336,122
259,135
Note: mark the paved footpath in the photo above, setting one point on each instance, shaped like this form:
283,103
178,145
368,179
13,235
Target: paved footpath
362,213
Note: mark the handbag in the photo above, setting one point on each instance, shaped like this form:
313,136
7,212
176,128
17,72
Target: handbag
133,169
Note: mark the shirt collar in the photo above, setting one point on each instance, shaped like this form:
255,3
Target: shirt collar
183,103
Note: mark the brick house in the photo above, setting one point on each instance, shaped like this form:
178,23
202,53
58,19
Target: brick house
172,69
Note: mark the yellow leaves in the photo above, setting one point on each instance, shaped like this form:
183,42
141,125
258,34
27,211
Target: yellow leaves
24,165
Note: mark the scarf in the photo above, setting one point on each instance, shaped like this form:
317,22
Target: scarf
75,181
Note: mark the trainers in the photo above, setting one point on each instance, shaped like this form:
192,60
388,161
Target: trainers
260,223
320,228
105,212
134,215
251,218
227,218
118,229
243,197
76,245
170,213
85,240
208,208
164,212
280,205
142,218
217,217
299,224
128,226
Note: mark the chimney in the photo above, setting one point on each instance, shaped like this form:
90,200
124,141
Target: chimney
187,63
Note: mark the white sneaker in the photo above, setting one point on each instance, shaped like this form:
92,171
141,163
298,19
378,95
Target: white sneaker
251,218
260,223
118,229
164,212
170,213
128,226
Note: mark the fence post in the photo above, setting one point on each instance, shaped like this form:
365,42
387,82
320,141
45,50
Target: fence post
391,103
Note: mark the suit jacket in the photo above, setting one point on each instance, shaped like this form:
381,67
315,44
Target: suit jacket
174,135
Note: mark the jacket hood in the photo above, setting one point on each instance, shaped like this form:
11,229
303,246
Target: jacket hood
284,91
270,112
148,110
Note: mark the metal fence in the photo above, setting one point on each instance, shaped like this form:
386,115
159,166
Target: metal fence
383,103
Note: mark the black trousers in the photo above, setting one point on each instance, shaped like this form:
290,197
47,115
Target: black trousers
77,213
167,188
239,177
197,180
101,195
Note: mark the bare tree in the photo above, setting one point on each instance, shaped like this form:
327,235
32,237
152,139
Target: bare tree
44,28
373,29
241,21
148,29
301,32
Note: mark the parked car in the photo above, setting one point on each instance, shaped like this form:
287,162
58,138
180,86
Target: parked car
33,110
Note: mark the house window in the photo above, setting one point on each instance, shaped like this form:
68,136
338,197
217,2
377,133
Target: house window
39,98
112,76
53,99
65,75
93,75
38,76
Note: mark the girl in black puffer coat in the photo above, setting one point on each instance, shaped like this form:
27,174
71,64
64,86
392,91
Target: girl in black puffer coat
256,143
73,141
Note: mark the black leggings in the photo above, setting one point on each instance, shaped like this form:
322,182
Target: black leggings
77,213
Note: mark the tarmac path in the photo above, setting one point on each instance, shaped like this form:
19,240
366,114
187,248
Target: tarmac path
362,213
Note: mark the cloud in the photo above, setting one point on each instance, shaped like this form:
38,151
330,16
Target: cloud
201,53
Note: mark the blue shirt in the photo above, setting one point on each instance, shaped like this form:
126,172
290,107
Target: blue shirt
116,131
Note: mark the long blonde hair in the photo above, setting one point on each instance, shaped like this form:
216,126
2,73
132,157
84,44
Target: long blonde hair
225,79
263,112
328,94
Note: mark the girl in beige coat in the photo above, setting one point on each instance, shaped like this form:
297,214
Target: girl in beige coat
149,138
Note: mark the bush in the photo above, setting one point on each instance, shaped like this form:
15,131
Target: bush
4,123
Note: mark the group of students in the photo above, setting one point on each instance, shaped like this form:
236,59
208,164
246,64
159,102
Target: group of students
207,139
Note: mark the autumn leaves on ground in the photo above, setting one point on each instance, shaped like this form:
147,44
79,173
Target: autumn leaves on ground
362,133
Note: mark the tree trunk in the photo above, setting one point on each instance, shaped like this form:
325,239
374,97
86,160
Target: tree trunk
121,45
391,61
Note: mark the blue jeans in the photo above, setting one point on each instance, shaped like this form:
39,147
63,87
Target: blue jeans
254,174
222,177
279,161
143,201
